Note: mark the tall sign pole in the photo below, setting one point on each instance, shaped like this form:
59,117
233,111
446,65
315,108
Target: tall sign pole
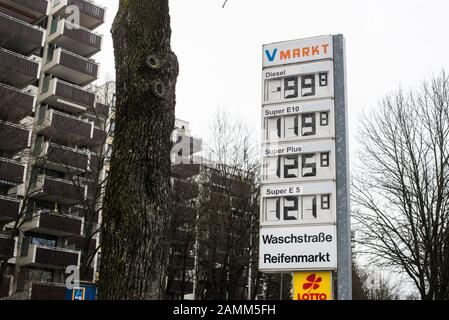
344,276
304,218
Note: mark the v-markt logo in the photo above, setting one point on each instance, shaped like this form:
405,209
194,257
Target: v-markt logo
297,53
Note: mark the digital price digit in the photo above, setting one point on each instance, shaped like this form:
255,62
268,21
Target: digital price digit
298,166
307,125
297,208
305,86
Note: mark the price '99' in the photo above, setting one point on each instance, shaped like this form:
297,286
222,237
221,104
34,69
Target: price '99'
298,87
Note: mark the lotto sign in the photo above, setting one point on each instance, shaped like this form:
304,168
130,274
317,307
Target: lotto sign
312,285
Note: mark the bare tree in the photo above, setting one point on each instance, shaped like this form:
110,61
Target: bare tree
401,189
135,233
229,213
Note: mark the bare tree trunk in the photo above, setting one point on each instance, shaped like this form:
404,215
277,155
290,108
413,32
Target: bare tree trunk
136,214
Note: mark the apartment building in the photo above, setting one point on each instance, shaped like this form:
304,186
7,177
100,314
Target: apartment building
215,212
52,133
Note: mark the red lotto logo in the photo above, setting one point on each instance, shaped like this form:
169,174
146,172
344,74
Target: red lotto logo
313,283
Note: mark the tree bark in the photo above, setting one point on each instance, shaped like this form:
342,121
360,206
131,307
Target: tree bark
136,209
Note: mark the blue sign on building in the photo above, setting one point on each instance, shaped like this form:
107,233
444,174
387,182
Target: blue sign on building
84,292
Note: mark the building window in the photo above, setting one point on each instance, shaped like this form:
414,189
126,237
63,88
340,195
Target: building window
325,159
44,241
325,202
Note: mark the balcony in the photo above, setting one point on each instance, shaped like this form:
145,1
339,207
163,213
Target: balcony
12,172
48,257
31,11
66,96
184,171
98,138
9,209
74,38
79,243
14,138
47,291
5,286
6,246
177,286
91,15
64,159
57,190
54,224
184,190
71,67
15,104
17,70
100,111
19,36
63,127
87,214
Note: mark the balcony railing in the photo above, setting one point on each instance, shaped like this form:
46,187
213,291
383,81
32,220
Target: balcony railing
47,291
63,127
60,225
48,257
9,209
14,138
57,190
11,172
62,158
36,5
19,36
67,96
91,14
6,246
17,70
74,93
74,38
31,11
71,67
15,104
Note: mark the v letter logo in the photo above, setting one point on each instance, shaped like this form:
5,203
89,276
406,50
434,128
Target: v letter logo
271,56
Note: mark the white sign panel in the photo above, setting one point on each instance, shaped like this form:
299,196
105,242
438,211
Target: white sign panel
298,248
298,82
291,109
282,149
311,207
296,51
298,121
298,210
304,165
278,190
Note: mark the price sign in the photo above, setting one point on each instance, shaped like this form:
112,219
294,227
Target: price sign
304,162
300,162
309,203
298,121
299,167
298,82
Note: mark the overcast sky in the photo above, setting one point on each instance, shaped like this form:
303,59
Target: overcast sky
389,43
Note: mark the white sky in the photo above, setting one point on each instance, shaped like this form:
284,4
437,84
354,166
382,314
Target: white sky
389,43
